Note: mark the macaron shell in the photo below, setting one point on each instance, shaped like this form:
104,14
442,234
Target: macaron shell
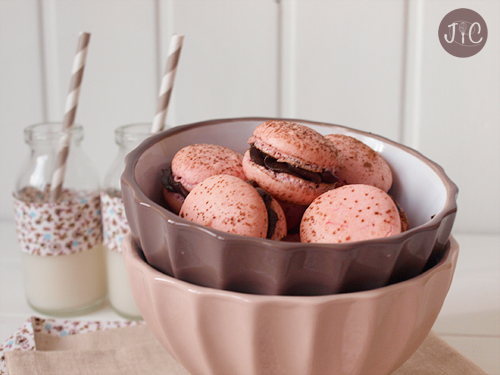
173,200
362,165
296,144
350,213
229,204
281,225
283,186
193,164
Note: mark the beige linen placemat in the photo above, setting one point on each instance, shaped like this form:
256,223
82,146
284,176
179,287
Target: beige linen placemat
436,357
134,350
121,351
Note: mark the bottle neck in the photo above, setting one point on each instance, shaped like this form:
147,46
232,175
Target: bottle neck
128,137
46,142
49,135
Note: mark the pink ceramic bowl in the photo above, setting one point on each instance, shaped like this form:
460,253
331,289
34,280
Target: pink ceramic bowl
207,257
211,331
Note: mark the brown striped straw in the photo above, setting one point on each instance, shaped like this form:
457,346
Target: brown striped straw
167,83
69,116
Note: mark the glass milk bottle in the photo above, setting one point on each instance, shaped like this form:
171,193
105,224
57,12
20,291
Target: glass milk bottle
115,224
61,240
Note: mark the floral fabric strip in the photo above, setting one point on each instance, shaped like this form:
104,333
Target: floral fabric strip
114,221
24,337
58,228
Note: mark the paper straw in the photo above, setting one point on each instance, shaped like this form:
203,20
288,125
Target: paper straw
69,115
167,83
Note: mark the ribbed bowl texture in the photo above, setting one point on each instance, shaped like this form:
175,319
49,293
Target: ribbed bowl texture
217,332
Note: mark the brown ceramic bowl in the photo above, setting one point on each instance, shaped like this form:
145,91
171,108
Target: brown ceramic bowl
211,258
212,332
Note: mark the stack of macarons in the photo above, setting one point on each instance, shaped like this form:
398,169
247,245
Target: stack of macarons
292,183
195,163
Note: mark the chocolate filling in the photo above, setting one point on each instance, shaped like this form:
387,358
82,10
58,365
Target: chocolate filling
267,161
169,183
272,216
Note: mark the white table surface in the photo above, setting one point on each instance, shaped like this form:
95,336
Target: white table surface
469,320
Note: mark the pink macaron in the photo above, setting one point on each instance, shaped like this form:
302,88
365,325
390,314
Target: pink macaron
292,162
193,164
362,165
350,213
229,204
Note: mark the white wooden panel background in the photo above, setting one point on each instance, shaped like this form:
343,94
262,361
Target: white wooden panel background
373,65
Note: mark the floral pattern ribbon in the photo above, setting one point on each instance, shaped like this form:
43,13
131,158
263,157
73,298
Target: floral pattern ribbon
114,221
57,228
